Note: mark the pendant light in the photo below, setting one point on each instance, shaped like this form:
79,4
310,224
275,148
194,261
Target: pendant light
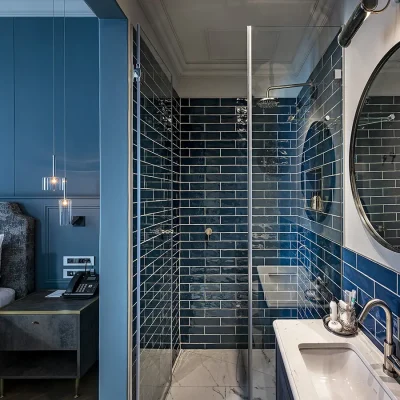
65,204
53,182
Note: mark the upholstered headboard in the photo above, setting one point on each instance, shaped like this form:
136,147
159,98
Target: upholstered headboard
17,268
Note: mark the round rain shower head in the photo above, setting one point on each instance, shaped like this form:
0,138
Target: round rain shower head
268,102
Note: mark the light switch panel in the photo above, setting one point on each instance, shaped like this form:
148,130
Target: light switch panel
78,261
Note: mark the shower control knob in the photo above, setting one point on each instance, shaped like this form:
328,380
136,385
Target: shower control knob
208,231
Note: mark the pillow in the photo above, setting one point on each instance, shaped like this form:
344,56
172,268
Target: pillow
7,296
1,243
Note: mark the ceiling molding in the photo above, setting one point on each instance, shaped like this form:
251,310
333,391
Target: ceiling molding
163,28
44,8
156,12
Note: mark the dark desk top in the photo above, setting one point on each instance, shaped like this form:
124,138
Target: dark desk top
37,303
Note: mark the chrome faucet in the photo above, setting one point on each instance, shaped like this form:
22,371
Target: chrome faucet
391,364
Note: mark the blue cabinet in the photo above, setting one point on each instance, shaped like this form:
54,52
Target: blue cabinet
283,390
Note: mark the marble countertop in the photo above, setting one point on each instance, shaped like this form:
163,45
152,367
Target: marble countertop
291,333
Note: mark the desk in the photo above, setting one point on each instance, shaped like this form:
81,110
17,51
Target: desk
48,338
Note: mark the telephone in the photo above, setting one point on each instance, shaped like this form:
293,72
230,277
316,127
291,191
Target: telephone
82,286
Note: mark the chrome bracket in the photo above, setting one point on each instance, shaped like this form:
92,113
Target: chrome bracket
137,72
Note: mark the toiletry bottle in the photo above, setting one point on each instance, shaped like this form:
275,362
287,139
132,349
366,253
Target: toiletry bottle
353,298
320,203
334,310
313,204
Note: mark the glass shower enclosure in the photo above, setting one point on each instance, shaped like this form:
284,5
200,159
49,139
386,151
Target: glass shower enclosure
294,201
294,77
155,340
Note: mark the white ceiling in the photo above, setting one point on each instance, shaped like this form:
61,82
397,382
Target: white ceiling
44,8
208,37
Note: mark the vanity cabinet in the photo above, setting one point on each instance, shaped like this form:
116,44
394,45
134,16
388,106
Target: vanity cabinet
283,390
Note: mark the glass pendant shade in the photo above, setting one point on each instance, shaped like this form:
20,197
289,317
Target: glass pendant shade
52,183
65,211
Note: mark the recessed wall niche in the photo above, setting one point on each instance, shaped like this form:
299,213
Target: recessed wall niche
317,177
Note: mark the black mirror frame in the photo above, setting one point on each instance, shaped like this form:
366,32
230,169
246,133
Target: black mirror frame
356,196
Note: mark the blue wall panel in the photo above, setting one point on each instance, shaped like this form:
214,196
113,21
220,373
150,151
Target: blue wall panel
7,107
83,162
26,80
33,103
114,222
33,46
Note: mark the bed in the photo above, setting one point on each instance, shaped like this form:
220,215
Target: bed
17,263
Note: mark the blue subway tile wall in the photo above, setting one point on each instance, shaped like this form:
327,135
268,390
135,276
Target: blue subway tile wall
377,166
318,258
319,145
213,270
214,291
319,173
373,280
176,170
274,219
159,222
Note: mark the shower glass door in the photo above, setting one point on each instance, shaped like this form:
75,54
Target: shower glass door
294,140
156,266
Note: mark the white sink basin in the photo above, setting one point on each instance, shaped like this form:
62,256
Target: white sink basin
338,372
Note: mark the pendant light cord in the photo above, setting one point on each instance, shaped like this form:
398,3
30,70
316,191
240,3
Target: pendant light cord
65,115
54,84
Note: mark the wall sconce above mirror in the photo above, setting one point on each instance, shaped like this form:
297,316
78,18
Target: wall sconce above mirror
363,10
375,153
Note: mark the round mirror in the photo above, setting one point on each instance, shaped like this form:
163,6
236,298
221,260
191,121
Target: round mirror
375,153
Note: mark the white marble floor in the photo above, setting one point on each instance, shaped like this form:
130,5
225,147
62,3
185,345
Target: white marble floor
221,375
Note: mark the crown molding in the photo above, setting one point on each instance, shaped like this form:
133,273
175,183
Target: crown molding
44,8
163,28
169,39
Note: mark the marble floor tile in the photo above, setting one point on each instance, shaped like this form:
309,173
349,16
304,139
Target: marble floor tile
221,374
155,373
195,369
264,369
264,361
263,381
218,393
230,356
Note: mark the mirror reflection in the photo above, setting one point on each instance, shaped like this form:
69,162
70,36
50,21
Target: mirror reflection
376,155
